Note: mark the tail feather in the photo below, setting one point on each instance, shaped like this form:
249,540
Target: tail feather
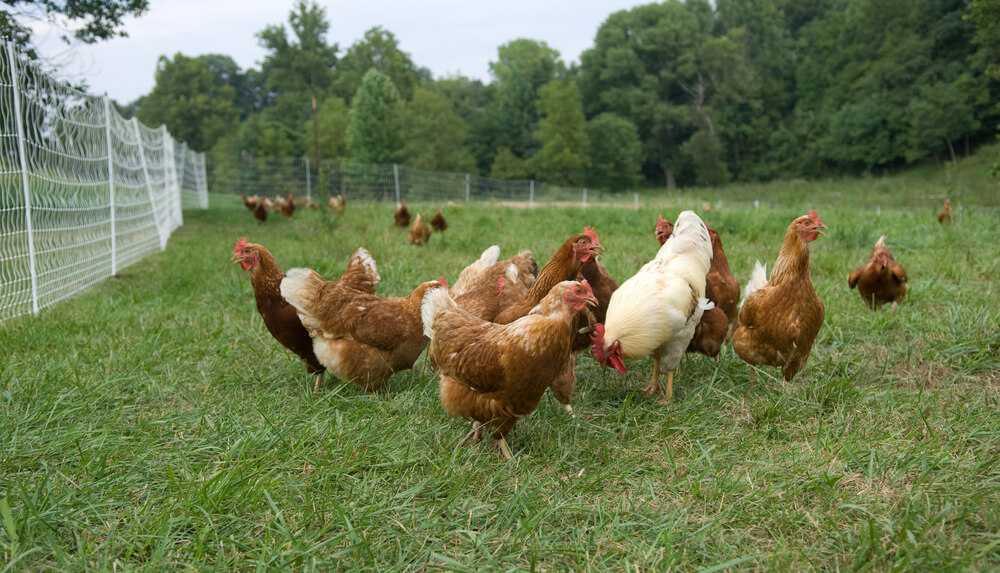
705,304
757,279
363,257
435,300
490,255
301,287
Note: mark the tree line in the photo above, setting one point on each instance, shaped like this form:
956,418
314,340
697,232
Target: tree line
677,93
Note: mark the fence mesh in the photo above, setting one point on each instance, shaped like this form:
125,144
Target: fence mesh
83,192
272,177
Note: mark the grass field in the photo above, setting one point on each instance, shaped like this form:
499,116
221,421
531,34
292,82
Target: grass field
153,423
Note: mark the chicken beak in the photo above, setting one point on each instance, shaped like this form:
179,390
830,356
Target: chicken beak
591,301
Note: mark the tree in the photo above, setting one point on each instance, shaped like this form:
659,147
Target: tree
373,136
563,158
615,153
94,19
433,135
334,119
186,98
377,50
506,165
943,113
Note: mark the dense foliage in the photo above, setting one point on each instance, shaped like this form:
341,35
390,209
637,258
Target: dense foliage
672,94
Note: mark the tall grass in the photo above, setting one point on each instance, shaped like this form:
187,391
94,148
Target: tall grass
153,423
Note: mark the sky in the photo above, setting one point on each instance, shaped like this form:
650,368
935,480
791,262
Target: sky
446,36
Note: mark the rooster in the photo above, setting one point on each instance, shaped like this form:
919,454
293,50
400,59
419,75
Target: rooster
945,216
279,316
655,312
780,317
358,336
438,221
881,279
493,373
402,216
420,232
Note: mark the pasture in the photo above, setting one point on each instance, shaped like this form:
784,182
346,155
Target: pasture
152,422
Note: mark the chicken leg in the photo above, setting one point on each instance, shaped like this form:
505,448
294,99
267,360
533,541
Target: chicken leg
474,435
668,395
654,385
319,379
502,446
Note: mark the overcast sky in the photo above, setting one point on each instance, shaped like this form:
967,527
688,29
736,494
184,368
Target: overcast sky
446,36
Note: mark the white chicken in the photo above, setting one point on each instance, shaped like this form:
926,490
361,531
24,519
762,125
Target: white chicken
655,312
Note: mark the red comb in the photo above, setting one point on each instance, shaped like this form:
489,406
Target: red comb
589,231
814,216
444,282
240,245
586,285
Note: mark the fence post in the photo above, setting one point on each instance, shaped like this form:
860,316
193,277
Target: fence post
395,176
24,177
584,196
111,185
149,184
308,181
636,201
531,193
201,180
466,187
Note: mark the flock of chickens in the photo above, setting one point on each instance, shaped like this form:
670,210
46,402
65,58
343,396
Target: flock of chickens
420,231
506,331
260,206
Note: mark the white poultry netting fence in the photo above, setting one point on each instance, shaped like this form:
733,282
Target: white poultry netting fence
83,192
387,182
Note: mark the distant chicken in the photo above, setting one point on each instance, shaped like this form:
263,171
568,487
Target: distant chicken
721,287
438,221
302,201
946,217
881,279
487,286
402,216
420,232
497,373
358,336
287,207
655,312
780,318
337,204
279,316
250,202
260,211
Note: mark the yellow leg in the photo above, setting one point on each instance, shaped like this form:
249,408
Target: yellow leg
474,434
504,450
319,379
654,385
668,395
569,410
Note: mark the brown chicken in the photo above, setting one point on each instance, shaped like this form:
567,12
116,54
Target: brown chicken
780,317
487,287
337,204
493,373
260,211
438,221
721,287
250,202
279,316
946,217
420,232
881,279
287,206
358,336
301,201
402,216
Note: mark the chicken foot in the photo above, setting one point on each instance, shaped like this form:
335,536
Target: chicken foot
501,445
319,379
654,385
666,394
474,435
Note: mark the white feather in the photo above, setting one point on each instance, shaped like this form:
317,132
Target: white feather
435,300
757,279
471,273
365,258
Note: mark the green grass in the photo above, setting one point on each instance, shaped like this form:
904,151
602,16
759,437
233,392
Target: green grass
152,422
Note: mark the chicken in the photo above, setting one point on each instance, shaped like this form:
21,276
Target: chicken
779,318
250,202
279,316
420,232
260,211
358,336
287,207
721,287
487,286
655,312
493,373
337,204
301,201
881,279
946,217
402,216
438,221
